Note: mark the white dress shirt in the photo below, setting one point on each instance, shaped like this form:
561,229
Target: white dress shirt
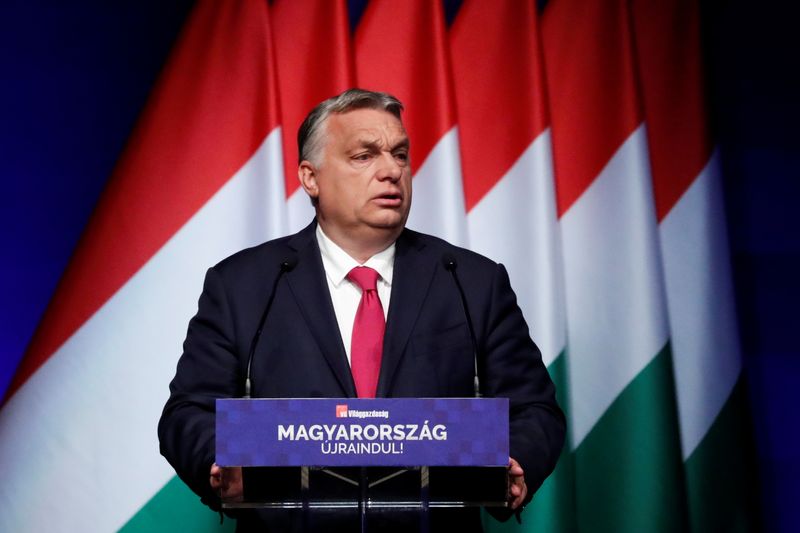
345,294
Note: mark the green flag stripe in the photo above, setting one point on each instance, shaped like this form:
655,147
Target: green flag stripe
553,505
629,470
720,474
176,508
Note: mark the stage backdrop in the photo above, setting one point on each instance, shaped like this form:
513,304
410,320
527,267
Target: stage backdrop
570,146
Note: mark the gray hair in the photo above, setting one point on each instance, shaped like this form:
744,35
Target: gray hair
310,135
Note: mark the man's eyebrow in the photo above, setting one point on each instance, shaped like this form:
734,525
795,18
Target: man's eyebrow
404,143
373,144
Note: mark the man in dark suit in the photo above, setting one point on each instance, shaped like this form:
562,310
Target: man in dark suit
322,334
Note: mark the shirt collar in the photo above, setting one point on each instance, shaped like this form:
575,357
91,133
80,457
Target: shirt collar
338,263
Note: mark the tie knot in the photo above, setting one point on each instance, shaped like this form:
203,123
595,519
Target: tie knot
364,277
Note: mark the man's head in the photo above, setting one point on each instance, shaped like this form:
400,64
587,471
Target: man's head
354,165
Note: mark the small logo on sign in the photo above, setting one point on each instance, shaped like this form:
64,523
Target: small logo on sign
341,411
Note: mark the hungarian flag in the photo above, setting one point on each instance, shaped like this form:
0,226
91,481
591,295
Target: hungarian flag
706,354
509,193
624,421
201,177
652,341
570,146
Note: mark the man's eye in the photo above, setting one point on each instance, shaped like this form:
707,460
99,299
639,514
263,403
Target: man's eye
401,156
361,157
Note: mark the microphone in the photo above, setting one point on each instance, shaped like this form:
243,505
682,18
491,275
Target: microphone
287,265
451,265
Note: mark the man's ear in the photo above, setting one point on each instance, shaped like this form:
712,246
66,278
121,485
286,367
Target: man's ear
307,175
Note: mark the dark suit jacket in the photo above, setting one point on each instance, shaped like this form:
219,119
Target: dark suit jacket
427,347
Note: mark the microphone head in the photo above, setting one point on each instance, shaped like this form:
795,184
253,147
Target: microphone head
449,262
288,264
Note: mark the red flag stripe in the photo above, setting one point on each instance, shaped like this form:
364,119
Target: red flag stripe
587,44
314,63
401,48
211,109
668,50
499,89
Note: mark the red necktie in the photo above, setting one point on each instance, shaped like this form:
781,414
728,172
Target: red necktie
366,346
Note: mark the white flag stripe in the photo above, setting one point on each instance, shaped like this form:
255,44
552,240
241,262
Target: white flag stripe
705,343
300,210
270,190
97,399
438,198
516,224
616,314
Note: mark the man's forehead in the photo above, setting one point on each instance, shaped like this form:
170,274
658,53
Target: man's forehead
367,125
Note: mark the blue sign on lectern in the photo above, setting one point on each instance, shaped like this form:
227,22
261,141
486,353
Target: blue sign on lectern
362,432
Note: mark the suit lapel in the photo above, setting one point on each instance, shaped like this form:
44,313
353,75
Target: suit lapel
413,273
307,283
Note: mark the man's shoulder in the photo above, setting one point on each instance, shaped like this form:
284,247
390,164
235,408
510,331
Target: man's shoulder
255,255
266,255
446,251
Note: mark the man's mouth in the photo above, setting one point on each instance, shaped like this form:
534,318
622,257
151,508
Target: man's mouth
389,199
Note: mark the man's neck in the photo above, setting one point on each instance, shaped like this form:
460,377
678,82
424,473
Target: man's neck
363,244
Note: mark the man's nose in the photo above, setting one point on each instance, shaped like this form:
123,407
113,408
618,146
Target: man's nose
390,168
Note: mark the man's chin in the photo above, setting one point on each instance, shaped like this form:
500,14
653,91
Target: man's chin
388,219
388,224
